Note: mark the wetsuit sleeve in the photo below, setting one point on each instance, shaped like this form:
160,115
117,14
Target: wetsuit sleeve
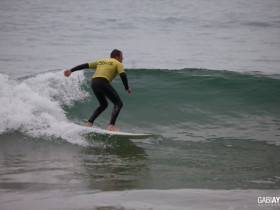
80,67
124,80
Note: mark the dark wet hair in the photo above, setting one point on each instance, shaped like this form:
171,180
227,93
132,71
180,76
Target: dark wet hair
115,53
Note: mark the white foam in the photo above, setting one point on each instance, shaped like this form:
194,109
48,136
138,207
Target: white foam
34,105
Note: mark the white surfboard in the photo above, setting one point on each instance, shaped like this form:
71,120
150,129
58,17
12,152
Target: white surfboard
121,134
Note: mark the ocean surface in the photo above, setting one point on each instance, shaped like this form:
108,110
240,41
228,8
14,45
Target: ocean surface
205,80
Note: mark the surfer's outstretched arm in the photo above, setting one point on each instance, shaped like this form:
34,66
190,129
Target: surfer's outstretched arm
68,72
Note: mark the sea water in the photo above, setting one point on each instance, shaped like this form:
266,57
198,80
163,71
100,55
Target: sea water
205,81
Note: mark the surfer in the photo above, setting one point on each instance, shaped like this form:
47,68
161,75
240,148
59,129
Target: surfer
106,71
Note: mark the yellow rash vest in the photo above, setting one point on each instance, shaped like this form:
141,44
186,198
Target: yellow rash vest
107,68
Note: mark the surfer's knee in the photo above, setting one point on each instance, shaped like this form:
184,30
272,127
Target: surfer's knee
120,104
103,106
117,108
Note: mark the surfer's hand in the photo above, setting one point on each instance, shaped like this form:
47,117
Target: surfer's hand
67,73
128,90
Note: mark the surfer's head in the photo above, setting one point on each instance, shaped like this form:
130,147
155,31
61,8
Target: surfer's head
117,55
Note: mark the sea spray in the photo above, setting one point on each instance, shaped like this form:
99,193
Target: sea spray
34,105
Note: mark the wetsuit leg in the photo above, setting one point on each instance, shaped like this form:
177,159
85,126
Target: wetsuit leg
102,89
97,87
114,97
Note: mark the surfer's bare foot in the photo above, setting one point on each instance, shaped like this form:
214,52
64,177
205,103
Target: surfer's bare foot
88,124
113,128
